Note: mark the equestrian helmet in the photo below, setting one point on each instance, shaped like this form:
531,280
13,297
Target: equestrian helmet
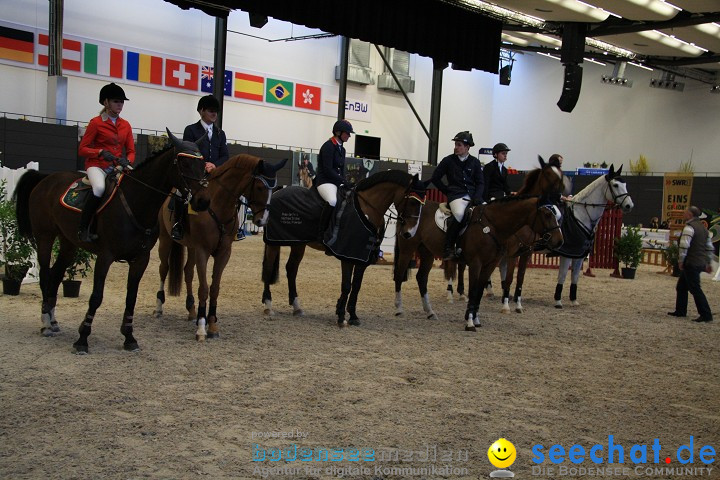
208,102
342,126
111,91
500,147
465,137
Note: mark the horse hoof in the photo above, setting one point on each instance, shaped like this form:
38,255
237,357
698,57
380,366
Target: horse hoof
575,303
558,306
131,347
505,310
80,349
450,298
213,335
157,313
519,310
354,322
268,313
55,327
47,332
298,313
200,338
400,314
433,316
470,329
463,298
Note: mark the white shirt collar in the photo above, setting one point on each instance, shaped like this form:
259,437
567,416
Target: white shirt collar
462,159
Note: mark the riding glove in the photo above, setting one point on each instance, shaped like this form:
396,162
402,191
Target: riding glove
108,156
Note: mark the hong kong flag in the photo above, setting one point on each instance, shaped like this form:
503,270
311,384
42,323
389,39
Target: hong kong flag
181,74
307,96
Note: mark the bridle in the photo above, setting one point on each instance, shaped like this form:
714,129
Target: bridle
185,189
547,231
269,182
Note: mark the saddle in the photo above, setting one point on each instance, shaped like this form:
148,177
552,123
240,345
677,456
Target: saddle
442,215
578,240
294,218
78,191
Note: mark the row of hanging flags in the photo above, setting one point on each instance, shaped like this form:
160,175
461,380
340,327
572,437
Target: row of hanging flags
115,62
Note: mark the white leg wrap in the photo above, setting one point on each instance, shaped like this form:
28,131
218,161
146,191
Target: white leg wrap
558,304
470,321
505,306
450,297
297,309
201,332
46,329
428,307
476,320
158,308
268,308
518,305
399,311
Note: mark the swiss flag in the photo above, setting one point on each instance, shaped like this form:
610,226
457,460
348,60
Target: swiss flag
307,96
181,74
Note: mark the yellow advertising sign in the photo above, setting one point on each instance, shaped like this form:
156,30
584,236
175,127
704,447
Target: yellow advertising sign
677,190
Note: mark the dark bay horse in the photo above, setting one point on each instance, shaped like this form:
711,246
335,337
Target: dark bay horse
212,233
126,225
429,240
374,195
490,227
587,207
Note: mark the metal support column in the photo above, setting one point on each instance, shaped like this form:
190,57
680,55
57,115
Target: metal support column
219,65
435,100
56,97
344,59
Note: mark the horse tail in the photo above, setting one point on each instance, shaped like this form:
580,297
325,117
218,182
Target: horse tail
270,273
175,269
24,187
450,269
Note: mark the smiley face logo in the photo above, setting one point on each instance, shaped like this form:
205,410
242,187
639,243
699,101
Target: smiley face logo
502,453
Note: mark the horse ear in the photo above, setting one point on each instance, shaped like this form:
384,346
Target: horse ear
619,170
541,161
173,138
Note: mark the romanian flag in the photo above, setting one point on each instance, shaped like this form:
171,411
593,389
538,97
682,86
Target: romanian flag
17,45
70,53
278,91
181,74
103,60
249,87
307,96
144,68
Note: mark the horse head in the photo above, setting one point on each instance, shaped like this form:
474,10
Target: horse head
190,170
264,181
410,208
617,190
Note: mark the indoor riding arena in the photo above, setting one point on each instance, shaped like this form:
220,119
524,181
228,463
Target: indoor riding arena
588,377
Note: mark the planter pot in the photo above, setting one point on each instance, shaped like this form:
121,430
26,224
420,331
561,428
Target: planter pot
11,286
628,272
71,288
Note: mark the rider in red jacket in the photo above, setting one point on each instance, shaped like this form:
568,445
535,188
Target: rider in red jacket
102,146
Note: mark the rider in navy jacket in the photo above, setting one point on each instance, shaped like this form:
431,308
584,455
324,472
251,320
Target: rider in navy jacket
331,162
495,174
465,184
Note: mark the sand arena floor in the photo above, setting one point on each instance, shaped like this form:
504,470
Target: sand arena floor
415,393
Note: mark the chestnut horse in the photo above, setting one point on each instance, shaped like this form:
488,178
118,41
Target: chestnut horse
126,225
489,229
429,241
374,195
212,233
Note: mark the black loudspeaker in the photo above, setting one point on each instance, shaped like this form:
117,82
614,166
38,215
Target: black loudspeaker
571,88
257,20
573,42
505,75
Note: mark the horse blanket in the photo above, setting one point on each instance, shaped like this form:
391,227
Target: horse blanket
295,218
77,192
578,240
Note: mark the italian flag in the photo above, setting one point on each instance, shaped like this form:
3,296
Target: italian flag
103,60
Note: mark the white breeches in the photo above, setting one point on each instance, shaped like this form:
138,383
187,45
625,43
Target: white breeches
328,192
458,206
97,175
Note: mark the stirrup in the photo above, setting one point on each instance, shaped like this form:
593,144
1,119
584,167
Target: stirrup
176,232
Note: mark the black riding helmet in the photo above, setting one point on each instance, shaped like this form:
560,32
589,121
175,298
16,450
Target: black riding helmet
500,147
111,91
342,126
465,137
208,102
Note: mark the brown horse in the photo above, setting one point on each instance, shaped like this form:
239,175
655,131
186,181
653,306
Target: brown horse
429,240
374,196
211,233
304,176
489,229
126,225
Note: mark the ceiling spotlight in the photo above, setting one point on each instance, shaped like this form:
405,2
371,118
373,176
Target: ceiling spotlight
667,82
715,89
618,76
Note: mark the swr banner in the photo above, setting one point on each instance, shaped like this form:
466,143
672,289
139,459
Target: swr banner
676,193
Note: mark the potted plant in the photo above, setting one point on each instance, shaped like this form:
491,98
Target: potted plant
671,253
79,269
16,251
628,250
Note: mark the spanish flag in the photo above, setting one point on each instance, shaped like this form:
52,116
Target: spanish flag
249,87
17,45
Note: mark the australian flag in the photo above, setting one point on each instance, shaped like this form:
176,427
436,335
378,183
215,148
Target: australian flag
206,80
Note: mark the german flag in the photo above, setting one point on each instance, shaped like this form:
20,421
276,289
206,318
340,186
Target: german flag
17,45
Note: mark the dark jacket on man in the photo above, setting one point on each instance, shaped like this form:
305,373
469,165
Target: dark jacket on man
331,163
215,150
465,179
496,185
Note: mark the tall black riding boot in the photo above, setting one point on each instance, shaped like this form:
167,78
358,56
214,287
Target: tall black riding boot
325,217
86,216
178,213
453,229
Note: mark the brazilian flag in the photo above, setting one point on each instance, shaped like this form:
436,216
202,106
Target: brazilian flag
279,91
